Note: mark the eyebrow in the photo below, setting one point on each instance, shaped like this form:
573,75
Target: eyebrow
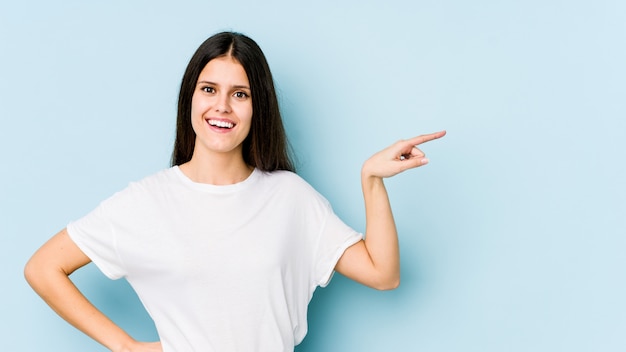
215,84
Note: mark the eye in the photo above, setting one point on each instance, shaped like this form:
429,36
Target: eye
208,89
241,95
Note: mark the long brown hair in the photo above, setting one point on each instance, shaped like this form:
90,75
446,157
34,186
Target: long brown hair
266,146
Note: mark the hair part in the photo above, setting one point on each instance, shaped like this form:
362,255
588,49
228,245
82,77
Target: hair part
266,146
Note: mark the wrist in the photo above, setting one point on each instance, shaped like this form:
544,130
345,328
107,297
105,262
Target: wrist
366,172
127,345
369,181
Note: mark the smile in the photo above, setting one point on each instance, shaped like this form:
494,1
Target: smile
221,124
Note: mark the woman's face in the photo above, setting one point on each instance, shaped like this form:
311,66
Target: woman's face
221,108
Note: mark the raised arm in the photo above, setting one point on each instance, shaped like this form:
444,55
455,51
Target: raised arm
375,261
48,272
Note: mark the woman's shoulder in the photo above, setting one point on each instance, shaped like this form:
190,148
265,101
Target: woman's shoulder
292,183
286,178
140,191
156,182
158,178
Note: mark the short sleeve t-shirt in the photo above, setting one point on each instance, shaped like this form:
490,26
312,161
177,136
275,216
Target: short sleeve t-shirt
219,268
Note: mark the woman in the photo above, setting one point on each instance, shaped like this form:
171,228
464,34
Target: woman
226,247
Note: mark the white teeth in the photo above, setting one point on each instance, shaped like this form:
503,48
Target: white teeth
222,124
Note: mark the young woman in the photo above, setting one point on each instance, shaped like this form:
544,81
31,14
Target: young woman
226,247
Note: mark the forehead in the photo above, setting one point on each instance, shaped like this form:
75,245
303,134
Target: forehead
225,70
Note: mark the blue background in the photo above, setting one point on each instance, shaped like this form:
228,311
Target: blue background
513,238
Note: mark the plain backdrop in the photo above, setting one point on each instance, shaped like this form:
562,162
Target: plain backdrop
513,238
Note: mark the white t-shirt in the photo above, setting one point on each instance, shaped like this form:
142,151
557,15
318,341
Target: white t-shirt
219,268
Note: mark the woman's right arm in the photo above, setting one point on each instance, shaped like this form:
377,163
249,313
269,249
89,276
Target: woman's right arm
48,272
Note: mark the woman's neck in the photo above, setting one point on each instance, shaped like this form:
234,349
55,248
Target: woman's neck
216,170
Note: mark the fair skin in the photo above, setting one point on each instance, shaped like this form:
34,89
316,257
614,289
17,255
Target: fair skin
221,111
221,114
375,261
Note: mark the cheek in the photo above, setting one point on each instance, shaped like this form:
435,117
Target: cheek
195,106
198,107
246,112
195,116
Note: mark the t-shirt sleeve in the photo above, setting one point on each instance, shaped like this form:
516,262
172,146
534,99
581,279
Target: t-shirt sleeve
335,237
95,234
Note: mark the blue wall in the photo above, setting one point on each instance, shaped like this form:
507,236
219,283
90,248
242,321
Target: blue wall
513,237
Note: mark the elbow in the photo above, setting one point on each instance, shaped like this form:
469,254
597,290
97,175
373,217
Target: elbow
36,272
389,284
30,272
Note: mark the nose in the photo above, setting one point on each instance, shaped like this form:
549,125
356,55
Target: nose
223,103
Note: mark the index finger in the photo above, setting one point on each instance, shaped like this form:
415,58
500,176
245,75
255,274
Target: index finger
426,137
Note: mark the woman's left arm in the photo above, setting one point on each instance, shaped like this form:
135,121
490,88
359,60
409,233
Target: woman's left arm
375,261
